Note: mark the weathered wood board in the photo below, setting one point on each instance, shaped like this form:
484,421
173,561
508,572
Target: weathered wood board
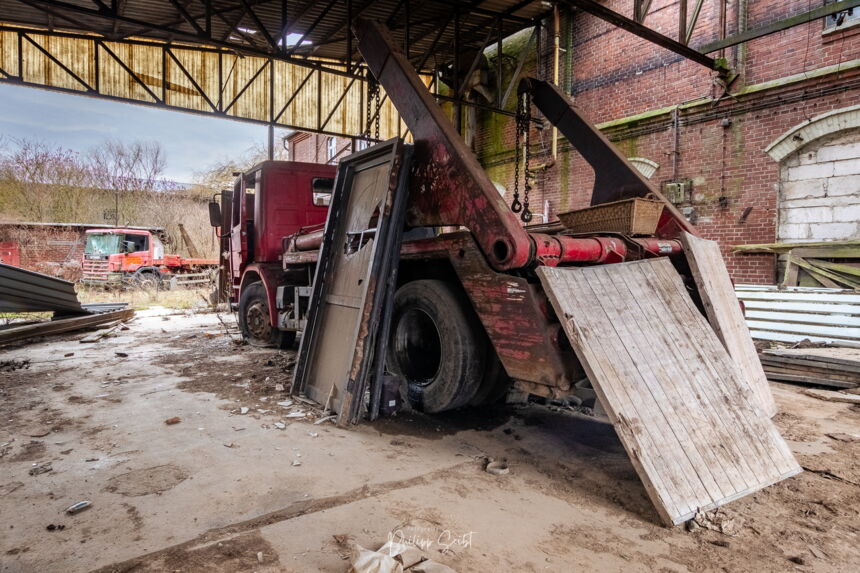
725,315
686,416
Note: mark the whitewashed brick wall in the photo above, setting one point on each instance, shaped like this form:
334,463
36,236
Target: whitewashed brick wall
819,191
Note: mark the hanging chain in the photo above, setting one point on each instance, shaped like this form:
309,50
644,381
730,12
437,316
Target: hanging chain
526,215
372,96
516,206
378,113
523,118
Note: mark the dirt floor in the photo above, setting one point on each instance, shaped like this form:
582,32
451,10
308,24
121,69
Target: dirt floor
242,483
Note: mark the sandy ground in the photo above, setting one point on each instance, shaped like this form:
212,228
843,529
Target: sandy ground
225,491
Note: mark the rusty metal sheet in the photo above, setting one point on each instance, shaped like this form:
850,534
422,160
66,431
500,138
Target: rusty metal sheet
27,291
337,346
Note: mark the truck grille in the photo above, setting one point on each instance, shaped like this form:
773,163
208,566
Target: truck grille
95,271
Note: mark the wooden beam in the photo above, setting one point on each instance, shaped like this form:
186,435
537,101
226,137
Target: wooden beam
63,325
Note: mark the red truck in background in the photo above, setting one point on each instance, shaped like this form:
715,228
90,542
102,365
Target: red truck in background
114,257
270,202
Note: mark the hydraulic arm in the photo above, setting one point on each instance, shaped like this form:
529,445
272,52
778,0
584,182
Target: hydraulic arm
449,186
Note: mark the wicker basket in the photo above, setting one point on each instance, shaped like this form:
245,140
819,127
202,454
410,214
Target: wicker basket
635,216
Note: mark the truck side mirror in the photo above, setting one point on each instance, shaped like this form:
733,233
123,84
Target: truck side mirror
214,214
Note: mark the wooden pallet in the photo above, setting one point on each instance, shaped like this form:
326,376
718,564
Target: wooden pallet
686,416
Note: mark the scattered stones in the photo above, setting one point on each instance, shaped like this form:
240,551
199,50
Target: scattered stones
280,425
244,410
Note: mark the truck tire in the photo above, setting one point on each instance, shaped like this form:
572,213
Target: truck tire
148,280
254,320
437,345
496,382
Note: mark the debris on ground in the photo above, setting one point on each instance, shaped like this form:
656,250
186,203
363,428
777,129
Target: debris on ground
78,507
393,557
843,437
497,468
716,520
42,468
831,396
173,420
13,365
52,527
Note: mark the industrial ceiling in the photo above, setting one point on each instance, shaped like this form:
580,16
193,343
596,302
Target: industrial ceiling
285,29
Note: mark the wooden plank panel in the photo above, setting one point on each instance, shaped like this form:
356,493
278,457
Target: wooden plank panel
744,411
675,397
724,313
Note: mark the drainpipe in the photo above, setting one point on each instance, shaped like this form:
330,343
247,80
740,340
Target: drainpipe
555,55
741,50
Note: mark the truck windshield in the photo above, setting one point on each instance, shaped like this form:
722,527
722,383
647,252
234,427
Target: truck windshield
106,244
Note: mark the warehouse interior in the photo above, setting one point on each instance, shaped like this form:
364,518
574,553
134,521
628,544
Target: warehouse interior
683,397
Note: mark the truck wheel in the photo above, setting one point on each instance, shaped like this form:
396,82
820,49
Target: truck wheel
254,320
496,382
148,280
437,345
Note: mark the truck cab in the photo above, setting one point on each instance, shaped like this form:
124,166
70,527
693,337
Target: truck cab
269,204
110,254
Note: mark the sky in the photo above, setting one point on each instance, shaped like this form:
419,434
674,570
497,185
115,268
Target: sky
192,143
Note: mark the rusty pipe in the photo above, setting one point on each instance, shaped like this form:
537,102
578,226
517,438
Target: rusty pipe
553,250
310,241
659,247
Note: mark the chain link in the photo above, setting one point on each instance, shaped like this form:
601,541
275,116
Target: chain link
516,206
523,119
372,96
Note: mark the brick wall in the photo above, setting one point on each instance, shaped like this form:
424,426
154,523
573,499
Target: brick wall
622,82
313,148
55,250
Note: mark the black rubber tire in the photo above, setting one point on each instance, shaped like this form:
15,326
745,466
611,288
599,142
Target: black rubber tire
437,345
496,382
148,280
254,320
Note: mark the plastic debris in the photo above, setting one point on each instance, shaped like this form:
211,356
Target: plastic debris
78,507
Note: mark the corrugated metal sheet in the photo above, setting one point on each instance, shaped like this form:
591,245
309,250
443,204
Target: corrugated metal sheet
26,291
798,313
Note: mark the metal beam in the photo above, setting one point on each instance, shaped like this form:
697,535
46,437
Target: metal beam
187,17
797,20
694,19
644,32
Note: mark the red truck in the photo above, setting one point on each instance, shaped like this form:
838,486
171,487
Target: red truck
114,257
470,318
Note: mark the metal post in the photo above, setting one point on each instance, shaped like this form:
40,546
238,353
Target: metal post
555,54
458,119
682,21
